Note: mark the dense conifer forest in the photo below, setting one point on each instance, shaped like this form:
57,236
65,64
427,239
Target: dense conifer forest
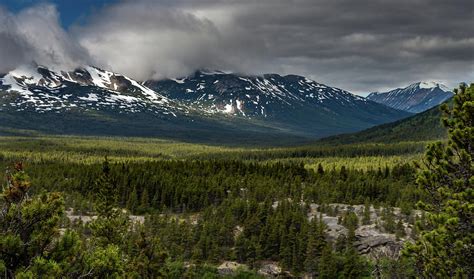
95,208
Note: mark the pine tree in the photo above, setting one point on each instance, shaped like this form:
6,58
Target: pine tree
445,247
320,169
388,220
343,173
112,223
147,257
328,265
366,216
132,200
285,250
144,201
106,192
316,243
350,221
355,266
30,245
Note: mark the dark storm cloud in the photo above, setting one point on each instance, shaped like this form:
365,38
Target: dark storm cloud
357,45
368,44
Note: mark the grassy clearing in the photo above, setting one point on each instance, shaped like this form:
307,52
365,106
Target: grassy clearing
90,150
94,149
362,163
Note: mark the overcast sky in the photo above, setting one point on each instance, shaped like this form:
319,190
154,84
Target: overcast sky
357,45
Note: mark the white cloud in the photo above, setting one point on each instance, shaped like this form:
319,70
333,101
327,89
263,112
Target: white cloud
35,35
147,40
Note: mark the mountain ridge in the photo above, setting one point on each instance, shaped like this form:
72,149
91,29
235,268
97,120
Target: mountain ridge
424,126
207,104
415,98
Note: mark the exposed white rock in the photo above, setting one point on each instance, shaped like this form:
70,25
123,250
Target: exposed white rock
229,268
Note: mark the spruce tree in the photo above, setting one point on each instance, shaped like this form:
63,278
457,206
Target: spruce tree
320,169
316,243
328,265
444,247
106,192
132,200
366,216
112,223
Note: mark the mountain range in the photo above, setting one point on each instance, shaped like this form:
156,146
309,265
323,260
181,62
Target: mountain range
207,106
415,98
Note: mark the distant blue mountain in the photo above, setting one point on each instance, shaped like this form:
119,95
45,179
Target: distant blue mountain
414,98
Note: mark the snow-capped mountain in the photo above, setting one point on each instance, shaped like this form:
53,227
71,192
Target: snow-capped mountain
89,88
290,102
249,96
205,105
414,98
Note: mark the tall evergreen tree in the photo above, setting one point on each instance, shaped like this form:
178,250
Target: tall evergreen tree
328,265
366,215
111,224
316,243
132,200
445,247
320,169
106,192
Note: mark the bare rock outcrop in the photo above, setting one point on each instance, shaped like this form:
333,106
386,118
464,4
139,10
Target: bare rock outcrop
229,268
270,270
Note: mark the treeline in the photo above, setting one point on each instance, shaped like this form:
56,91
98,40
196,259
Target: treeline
424,126
81,150
321,150
191,186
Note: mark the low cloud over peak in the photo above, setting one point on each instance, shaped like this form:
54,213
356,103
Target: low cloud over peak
357,45
35,34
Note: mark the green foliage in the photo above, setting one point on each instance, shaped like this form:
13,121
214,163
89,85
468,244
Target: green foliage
90,150
30,244
400,268
147,256
350,220
330,264
355,266
420,127
316,244
366,215
445,244
106,193
191,186
106,262
204,205
112,223
388,218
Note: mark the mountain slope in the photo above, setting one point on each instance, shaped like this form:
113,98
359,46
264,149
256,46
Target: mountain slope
91,101
206,107
420,127
290,102
40,89
414,98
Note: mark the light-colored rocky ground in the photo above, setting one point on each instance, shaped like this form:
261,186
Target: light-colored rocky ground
372,239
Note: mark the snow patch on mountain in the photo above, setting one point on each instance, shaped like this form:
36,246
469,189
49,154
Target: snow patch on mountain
38,88
218,92
415,98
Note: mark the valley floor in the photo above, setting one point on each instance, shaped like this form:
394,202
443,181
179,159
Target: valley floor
235,210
